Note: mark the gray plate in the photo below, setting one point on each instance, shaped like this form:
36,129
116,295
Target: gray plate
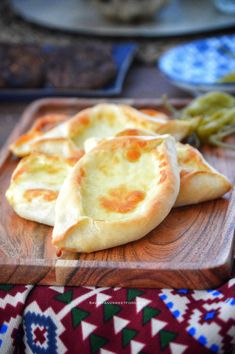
178,18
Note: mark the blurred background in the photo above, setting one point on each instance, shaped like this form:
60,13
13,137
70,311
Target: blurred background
98,48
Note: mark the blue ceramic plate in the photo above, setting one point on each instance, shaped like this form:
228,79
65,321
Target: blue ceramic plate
123,55
199,65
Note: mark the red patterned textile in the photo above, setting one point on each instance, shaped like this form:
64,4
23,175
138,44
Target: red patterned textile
38,319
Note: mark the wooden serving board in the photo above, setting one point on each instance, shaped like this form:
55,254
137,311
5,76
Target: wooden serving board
191,248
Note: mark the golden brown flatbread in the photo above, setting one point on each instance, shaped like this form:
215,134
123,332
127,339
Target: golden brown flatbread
22,145
199,181
103,120
117,193
35,185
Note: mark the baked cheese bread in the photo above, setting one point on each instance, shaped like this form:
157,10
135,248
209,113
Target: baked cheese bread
117,193
199,181
104,120
57,146
22,146
35,185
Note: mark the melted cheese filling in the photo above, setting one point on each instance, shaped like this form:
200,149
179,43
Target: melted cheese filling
189,160
117,185
104,121
47,194
101,123
121,200
38,176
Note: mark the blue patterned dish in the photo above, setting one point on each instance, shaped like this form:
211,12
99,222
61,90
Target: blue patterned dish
199,65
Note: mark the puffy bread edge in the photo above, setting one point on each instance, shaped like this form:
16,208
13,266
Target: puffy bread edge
77,233
203,184
43,213
38,210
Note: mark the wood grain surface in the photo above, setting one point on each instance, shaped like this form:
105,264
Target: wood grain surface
191,248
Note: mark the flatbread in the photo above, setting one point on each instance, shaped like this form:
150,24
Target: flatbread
199,181
117,193
23,145
102,121
57,147
35,185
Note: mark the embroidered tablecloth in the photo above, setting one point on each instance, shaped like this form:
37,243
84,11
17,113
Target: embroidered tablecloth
39,319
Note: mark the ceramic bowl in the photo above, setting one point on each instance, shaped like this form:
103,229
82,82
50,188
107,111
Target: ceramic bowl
202,65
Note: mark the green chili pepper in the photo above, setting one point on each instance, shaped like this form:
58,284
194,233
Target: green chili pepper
230,77
209,104
217,139
214,126
212,115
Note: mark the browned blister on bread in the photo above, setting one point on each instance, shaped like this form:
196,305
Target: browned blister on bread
35,185
117,193
102,121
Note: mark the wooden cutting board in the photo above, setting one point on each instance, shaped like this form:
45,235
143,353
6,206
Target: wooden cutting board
191,248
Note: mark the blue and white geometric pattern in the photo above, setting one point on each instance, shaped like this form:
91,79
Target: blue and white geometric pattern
208,334
176,303
201,62
199,321
42,331
6,340
46,337
12,325
3,330
44,328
